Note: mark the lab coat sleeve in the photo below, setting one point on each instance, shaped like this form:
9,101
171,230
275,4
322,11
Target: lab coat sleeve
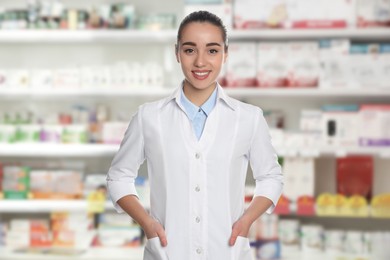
124,167
264,163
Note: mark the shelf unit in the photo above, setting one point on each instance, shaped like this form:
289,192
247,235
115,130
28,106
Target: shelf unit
130,253
47,37
161,91
144,36
108,150
41,206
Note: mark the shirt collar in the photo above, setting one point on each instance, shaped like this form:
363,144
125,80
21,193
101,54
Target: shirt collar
220,94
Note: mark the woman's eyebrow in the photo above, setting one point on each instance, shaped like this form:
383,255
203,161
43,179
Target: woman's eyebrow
207,45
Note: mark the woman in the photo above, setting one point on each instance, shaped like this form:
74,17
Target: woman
197,143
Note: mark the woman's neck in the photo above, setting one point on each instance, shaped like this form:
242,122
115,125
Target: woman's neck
198,96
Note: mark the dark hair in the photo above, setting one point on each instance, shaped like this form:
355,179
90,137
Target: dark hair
203,16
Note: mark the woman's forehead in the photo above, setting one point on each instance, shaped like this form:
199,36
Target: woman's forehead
201,32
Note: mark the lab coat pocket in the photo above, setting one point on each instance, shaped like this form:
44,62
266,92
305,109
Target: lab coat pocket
242,249
154,250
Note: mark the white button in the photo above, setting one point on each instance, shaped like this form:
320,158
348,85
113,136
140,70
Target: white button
197,188
197,219
199,250
197,155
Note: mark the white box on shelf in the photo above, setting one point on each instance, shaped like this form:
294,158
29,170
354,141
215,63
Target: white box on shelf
321,13
374,125
272,66
303,64
340,125
254,14
372,13
366,71
334,63
241,65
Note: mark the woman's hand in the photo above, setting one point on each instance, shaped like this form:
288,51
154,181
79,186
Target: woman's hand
240,228
152,229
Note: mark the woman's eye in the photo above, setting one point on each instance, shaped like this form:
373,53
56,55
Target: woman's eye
213,51
189,51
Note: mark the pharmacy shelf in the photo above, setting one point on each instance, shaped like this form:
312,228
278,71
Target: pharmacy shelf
315,152
169,36
39,206
159,92
297,34
96,150
95,253
57,150
86,36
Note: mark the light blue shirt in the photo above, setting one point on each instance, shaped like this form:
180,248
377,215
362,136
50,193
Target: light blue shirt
198,115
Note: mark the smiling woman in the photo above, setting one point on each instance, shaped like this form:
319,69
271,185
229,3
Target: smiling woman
201,53
198,143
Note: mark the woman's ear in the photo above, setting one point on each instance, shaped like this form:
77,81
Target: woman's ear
177,53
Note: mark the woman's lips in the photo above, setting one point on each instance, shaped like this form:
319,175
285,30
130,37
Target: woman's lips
201,75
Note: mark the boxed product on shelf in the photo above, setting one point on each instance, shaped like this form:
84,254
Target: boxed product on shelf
75,133
357,243
335,64
311,238
340,125
371,13
321,14
355,176
72,230
272,68
24,233
366,70
289,236
253,14
376,116
380,205
16,182
299,178
241,66
334,242
113,132
49,184
304,64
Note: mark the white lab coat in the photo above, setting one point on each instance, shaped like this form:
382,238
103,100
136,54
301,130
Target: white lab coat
197,186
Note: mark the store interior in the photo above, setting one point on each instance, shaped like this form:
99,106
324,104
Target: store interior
72,73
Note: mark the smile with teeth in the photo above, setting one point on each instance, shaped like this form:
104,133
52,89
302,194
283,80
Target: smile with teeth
201,74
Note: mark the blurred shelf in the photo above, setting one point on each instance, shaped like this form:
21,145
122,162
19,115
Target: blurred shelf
137,254
160,92
57,150
315,34
383,152
95,253
41,206
169,36
86,36
95,150
72,93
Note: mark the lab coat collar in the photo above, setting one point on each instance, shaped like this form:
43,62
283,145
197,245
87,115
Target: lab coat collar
176,95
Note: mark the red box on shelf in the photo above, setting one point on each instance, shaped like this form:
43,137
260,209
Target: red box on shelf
355,176
283,206
305,206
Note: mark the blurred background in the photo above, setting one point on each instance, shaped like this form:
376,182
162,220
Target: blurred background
73,72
